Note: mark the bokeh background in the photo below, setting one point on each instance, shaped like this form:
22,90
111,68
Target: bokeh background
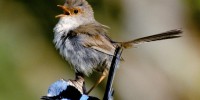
164,70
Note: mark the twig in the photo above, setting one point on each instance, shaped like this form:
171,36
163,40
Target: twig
109,92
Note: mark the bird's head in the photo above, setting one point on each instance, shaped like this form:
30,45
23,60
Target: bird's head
78,10
62,90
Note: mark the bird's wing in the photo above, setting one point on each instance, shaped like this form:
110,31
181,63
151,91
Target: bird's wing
93,36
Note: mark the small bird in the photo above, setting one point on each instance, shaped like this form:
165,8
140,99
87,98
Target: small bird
64,90
84,42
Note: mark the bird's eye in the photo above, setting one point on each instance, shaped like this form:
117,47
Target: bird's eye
75,11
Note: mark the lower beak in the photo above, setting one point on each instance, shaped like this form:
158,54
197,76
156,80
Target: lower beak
59,16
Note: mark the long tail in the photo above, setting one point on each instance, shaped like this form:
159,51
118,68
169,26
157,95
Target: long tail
162,36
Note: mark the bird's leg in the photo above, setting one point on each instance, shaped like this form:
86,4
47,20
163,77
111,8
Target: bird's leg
103,75
80,77
78,83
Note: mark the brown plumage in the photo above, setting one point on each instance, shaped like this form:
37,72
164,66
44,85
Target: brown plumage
84,43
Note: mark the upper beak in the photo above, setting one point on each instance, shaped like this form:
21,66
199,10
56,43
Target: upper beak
65,9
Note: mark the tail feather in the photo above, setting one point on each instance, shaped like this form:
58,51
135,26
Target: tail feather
162,36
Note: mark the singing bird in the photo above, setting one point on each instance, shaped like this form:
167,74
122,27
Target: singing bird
84,42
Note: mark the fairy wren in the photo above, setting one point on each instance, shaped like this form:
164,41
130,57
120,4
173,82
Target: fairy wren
64,90
84,42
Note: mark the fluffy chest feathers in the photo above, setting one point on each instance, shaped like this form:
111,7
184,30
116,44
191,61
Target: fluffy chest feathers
64,25
85,47
62,29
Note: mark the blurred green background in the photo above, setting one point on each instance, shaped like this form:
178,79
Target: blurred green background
165,70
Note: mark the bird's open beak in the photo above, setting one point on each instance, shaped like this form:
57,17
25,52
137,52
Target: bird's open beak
65,9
